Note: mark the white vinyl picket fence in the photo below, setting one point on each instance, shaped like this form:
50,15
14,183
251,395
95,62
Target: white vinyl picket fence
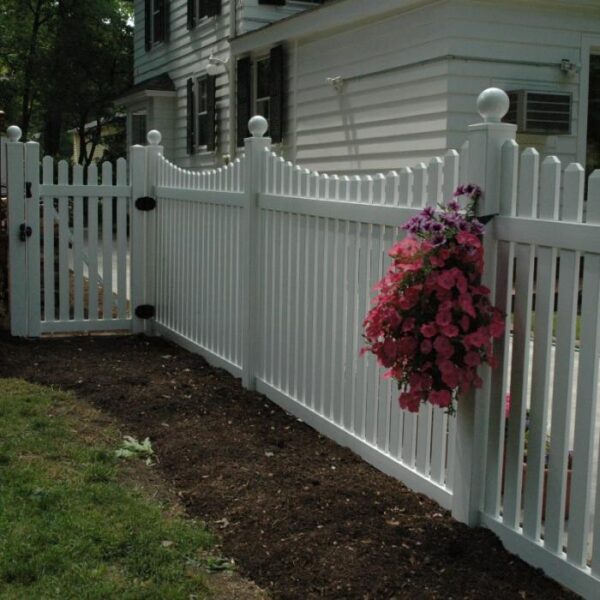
267,270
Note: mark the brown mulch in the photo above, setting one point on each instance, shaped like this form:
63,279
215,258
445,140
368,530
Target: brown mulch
301,516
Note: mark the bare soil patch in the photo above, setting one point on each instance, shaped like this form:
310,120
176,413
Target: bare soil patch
301,516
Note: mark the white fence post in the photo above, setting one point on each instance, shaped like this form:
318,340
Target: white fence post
144,170
17,248
138,180
485,152
32,217
254,175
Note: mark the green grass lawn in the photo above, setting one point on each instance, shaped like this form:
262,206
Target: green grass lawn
68,528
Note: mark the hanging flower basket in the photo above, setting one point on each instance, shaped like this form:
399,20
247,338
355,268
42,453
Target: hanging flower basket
432,323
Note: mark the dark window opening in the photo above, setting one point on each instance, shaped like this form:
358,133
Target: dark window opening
593,116
138,129
156,16
262,95
203,111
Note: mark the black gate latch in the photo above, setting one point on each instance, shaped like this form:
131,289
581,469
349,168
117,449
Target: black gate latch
24,232
145,203
144,311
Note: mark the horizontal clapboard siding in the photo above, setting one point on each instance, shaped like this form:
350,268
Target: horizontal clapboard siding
391,112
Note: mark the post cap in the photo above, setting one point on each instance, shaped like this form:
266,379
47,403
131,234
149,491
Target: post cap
493,104
258,126
14,133
154,136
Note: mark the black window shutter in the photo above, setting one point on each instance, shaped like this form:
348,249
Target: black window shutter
211,113
277,93
244,98
148,24
191,14
190,116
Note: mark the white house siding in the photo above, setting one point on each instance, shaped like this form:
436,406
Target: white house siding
393,109
514,33
409,92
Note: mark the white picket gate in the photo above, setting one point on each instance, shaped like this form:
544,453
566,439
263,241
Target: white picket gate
266,269
69,244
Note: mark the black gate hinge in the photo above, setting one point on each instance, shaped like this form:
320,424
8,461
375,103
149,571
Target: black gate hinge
24,232
28,193
145,203
145,311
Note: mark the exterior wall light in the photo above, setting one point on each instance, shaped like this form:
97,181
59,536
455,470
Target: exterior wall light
568,67
215,65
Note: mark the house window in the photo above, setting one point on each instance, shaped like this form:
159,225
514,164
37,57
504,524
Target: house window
156,17
198,9
261,89
202,111
201,114
262,95
138,129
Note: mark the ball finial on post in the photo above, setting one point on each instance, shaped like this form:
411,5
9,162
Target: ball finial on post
258,126
154,137
14,133
493,104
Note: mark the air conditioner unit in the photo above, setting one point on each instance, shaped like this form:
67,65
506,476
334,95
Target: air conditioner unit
540,112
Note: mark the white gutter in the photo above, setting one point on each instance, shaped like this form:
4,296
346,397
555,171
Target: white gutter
334,15
341,14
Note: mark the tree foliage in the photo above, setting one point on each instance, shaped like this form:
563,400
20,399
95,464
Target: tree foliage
62,63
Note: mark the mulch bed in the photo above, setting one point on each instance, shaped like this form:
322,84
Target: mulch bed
301,516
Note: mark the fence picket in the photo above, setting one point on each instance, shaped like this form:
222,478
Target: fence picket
435,181
450,175
406,187
63,245
107,245
122,203
419,185
542,346
92,215
503,300
32,217
524,253
587,395
568,285
78,246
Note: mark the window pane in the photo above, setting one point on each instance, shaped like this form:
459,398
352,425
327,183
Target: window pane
202,95
262,78
262,108
138,129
